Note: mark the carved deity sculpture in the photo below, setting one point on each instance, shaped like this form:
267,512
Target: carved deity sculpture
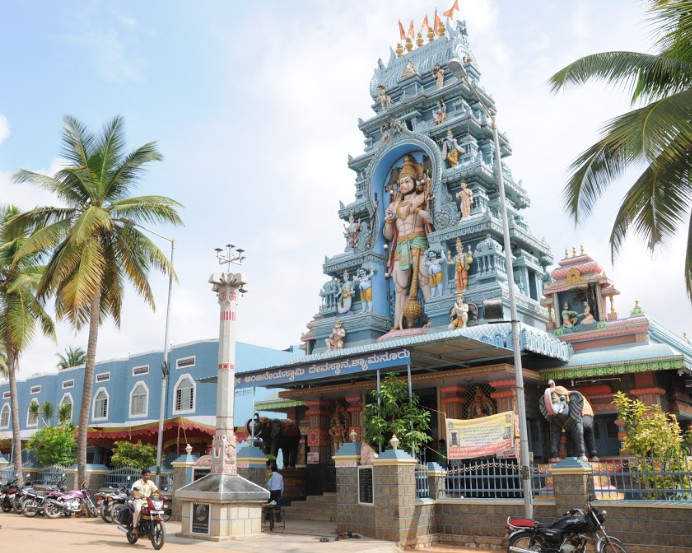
569,317
338,427
451,150
345,294
352,232
407,219
586,318
337,337
462,263
459,314
363,280
465,197
409,70
481,405
569,410
439,74
329,292
434,265
440,114
384,99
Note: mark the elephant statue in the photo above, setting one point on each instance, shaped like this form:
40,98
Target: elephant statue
569,410
275,435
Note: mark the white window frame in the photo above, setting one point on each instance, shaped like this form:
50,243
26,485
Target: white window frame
28,413
62,400
138,384
106,379
68,384
6,406
140,367
108,405
34,390
186,376
7,394
194,362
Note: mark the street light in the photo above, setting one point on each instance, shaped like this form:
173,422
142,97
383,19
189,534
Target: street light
457,68
165,369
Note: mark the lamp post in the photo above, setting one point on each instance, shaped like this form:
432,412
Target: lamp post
165,369
457,68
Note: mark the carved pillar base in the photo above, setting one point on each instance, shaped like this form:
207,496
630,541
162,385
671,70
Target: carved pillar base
452,399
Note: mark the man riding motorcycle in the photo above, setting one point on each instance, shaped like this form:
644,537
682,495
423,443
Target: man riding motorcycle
141,489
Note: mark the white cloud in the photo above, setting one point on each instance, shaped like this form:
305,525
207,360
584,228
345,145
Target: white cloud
4,128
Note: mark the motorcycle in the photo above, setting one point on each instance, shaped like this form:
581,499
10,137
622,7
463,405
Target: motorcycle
150,520
67,504
569,534
109,501
8,492
36,500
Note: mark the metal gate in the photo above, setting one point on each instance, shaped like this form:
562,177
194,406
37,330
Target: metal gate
53,475
122,477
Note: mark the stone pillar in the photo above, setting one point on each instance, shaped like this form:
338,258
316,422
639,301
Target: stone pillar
182,476
436,480
318,431
452,400
252,464
355,413
572,481
646,389
394,494
346,461
504,395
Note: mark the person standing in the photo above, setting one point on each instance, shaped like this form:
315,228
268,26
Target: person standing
275,484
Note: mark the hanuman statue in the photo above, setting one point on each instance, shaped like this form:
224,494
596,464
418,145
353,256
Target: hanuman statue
407,223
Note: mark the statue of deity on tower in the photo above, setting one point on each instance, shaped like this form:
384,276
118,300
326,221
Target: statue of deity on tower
407,223
451,150
462,264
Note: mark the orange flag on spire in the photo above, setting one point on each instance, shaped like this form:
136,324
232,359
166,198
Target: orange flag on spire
402,34
426,23
437,23
450,12
411,30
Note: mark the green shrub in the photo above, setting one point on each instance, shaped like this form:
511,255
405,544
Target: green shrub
137,455
54,445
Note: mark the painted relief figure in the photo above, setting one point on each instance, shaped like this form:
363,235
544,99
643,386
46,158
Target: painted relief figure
352,232
451,150
434,266
345,295
465,197
363,280
407,219
383,98
462,263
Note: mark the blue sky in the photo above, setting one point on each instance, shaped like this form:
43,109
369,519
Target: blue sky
255,107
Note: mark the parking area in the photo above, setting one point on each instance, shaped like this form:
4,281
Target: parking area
29,535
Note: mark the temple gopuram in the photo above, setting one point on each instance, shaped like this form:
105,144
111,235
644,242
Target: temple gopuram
421,288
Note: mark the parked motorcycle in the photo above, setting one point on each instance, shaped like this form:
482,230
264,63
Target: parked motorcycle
569,534
36,500
109,500
150,520
8,492
67,504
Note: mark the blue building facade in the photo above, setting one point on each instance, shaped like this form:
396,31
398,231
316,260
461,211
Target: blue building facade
126,396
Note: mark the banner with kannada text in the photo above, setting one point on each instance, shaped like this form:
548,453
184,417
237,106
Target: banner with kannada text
481,437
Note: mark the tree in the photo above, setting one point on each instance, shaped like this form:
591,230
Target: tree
3,362
396,414
54,445
138,455
20,310
64,413
73,357
95,241
658,134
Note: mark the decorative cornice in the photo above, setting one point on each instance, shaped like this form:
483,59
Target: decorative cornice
611,369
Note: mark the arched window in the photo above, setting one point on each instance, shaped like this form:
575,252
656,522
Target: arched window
66,415
184,394
139,400
101,400
5,416
32,414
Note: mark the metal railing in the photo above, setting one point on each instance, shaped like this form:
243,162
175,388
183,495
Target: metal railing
121,477
422,486
492,479
6,475
630,479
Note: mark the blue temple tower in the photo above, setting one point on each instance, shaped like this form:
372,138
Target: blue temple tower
425,227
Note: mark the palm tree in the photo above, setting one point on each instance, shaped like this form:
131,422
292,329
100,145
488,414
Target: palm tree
20,310
3,362
658,133
73,357
96,241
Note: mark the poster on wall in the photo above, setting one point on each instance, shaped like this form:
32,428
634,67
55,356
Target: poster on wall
481,437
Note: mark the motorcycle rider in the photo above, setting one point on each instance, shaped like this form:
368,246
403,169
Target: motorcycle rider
144,487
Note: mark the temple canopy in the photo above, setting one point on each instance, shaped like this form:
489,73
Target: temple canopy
481,344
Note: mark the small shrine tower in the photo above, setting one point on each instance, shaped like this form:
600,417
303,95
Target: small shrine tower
423,235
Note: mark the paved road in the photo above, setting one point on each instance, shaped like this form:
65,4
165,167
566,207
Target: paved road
28,535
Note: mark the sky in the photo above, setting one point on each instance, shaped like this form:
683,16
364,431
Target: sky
255,105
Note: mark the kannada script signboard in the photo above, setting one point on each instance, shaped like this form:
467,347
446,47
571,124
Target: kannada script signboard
301,373
481,437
